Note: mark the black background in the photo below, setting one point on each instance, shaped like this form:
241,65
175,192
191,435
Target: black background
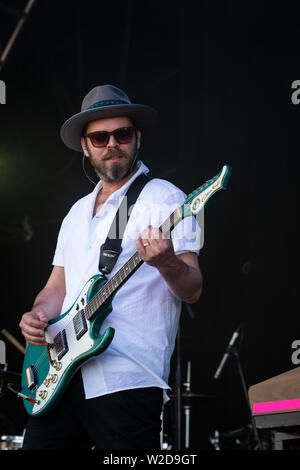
220,74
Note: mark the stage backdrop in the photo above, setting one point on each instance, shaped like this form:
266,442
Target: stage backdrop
223,76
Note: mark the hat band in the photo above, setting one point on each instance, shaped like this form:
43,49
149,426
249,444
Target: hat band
102,103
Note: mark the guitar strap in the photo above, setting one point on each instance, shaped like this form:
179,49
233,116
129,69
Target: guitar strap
111,248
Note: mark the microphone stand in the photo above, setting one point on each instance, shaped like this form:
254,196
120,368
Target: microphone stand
178,380
234,352
23,17
187,406
178,393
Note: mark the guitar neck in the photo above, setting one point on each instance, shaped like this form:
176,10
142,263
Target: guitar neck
121,276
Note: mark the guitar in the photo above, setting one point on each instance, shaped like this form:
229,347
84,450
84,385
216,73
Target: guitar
74,337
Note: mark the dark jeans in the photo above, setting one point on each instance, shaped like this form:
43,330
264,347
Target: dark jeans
129,419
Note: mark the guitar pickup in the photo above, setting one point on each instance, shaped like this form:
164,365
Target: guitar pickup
60,344
80,325
31,377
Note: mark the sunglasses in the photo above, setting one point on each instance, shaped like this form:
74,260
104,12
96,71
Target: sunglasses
123,135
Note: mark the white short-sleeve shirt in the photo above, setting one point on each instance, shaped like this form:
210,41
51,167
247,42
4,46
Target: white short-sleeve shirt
145,313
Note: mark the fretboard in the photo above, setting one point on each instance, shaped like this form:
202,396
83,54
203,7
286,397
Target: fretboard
121,276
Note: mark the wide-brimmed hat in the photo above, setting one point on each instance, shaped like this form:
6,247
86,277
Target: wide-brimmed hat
102,102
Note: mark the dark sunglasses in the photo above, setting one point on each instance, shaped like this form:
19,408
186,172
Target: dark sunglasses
123,135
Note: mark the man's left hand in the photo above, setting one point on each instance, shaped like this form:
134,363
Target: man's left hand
155,249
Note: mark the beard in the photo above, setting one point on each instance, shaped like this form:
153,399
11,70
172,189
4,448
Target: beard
113,171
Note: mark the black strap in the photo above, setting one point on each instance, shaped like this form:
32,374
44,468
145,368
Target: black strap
111,248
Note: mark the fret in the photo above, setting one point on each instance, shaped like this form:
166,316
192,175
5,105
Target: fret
123,275
108,287
170,223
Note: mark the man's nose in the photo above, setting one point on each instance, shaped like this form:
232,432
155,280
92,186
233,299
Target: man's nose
112,142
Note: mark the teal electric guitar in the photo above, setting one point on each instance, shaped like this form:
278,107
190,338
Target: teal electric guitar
75,337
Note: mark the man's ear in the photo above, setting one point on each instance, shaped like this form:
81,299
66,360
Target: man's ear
138,137
84,146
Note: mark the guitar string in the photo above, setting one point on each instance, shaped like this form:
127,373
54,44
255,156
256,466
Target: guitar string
130,265
135,259
105,296
106,291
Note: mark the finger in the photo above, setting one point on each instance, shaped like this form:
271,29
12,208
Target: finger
149,233
39,316
145,234
156,233
33,319
152,233
42,317
36,332
140,244
32,331
35,341
30,326
37,324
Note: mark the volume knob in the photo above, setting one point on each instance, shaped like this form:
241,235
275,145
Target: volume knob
54,378
47,381
43,394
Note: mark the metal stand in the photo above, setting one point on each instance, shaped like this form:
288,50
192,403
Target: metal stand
23,17
187,407
178,381
187,412
234,352
178,392
3,370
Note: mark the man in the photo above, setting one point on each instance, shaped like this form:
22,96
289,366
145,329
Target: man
115,400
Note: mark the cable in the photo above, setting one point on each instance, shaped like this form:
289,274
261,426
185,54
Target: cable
12,388
84,170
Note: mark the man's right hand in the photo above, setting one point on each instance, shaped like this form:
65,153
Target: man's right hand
32,326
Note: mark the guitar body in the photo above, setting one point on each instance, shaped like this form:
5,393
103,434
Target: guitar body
72,340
